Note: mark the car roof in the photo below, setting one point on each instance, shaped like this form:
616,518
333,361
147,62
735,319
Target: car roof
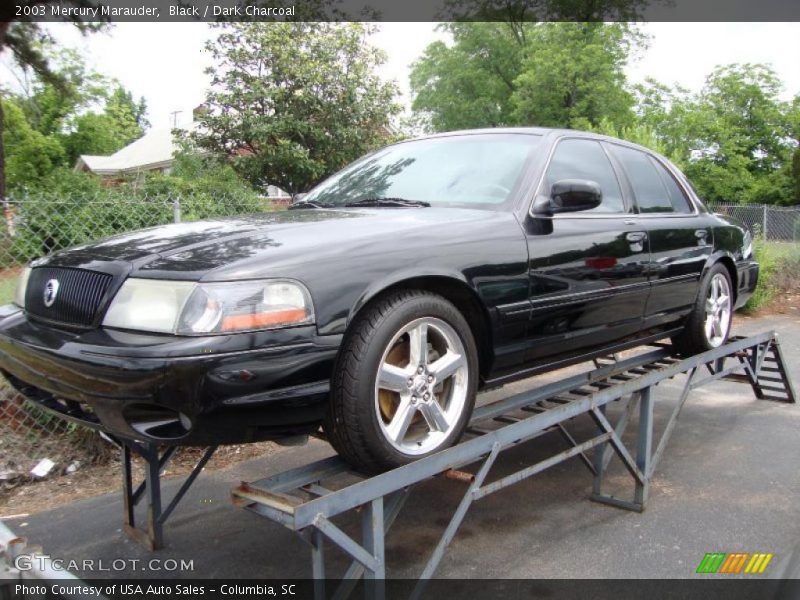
543,131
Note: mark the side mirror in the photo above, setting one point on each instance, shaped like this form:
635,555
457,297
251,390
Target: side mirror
570,195
298,197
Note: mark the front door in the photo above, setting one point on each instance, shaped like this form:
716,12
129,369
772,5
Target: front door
587,269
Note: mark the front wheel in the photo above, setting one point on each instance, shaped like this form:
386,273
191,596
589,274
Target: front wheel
405,382
709,323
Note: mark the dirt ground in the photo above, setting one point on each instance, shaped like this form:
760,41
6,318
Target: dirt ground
95,480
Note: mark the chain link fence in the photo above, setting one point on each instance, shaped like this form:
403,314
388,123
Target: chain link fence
771,223
34,226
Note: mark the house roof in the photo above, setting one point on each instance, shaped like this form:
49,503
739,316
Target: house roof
153,150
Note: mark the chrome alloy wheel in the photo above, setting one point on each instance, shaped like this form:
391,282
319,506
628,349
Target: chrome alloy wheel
421,386
718,310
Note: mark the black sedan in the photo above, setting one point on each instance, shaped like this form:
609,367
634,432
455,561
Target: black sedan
383,300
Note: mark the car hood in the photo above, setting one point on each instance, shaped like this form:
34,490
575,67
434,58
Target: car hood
236,247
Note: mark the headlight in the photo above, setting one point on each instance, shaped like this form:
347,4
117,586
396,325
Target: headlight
207,308
148,305
22,287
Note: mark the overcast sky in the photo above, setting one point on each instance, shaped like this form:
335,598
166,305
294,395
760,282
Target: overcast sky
164,62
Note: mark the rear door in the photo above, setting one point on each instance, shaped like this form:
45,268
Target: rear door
680,239
587,269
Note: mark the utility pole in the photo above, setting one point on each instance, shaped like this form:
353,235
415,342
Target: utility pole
175,114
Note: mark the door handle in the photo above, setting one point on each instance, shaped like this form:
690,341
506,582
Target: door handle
630,221
634,237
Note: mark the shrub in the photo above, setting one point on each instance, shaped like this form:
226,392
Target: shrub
779,271
69,208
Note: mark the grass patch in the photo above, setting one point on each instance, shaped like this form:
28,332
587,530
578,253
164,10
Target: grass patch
8,284
779,272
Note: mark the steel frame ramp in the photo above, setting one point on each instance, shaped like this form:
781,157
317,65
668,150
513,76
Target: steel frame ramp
306,499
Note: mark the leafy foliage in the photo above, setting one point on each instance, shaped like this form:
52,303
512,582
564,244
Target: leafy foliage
50,124
779,272
25,41
121,122
31,155
545,74
574,73
735,139
469,83
292,102
67,207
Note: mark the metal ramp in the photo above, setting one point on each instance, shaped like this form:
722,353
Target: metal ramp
306,499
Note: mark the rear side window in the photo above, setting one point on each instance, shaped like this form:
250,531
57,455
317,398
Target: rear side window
680,203
585,159
648,186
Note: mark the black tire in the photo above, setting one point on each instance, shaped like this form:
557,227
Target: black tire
352,420
694,339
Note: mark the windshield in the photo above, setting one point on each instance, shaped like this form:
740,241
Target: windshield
472,171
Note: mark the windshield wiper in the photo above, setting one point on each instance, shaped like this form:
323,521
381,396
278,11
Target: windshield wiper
387,202
309,204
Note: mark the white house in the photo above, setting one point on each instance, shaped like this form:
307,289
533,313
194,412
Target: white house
153,152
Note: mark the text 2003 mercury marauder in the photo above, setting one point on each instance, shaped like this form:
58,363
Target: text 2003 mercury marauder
383,300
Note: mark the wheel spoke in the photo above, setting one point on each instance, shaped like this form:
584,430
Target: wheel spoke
711,307
434,416
723,301
709,327
446,366
418,339
393,378
398,426
715,326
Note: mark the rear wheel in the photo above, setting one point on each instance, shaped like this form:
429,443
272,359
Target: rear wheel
709,324
405,382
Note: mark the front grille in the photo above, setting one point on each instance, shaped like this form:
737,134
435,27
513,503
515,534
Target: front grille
77,300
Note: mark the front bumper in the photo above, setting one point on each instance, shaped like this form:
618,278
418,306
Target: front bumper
168,389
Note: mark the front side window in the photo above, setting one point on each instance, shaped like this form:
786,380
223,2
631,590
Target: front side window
472,171
585,159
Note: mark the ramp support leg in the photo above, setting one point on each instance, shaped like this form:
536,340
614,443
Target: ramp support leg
152,537
641,468
645,446
318,563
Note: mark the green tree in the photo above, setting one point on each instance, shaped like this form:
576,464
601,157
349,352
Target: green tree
518,12
669,112
574,73
516,73
735,138
794,129
84,113
24,39
31,154
121,122
291,102
469,83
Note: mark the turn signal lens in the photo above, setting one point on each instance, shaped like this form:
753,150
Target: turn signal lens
264,320
246,306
